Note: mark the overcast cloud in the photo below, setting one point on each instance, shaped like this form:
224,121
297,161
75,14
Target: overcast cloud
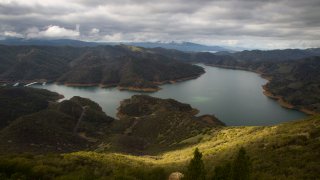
264,24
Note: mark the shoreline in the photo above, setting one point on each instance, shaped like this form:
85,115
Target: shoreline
155,89
132,88
266,91
284,103
137,89
177,80
87,85
121,88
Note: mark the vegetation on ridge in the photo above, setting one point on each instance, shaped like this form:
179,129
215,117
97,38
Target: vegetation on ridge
285,151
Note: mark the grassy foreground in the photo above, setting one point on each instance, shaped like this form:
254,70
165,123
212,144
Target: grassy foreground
285,151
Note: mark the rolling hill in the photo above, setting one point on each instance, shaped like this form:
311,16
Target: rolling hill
127,67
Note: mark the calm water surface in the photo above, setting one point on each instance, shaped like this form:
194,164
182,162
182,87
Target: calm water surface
234,96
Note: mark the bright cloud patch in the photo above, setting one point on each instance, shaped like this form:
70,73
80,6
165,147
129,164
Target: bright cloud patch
94,31
12,34
52,32
56,31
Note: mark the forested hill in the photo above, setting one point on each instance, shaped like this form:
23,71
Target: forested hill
242,56
127,67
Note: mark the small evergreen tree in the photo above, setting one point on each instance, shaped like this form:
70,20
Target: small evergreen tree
238,170
241,166
196,169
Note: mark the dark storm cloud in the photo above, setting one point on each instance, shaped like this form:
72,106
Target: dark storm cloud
254,23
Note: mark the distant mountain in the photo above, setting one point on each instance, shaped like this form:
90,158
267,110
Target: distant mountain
275,55
124,66
47,42
183,46
243,56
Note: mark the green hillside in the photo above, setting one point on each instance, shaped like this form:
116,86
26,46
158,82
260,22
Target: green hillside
285,151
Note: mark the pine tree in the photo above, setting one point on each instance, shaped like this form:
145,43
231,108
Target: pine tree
196,169
241,166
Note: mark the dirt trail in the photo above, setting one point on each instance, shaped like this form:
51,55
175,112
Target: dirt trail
84,109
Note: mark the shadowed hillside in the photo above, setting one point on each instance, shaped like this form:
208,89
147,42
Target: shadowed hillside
70,125
16,102
127,67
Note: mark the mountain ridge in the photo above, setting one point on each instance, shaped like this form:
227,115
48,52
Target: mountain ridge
182,46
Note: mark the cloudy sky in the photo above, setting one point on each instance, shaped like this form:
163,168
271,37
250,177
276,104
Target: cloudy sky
266,24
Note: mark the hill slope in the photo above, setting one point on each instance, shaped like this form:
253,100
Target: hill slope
285,151
124,66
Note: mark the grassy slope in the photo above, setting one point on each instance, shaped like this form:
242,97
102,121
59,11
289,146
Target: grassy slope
285,151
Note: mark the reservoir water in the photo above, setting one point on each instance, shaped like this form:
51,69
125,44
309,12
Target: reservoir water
234,96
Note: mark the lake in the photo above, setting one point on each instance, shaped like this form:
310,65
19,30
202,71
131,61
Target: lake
234,96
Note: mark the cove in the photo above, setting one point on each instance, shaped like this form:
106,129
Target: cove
234,96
